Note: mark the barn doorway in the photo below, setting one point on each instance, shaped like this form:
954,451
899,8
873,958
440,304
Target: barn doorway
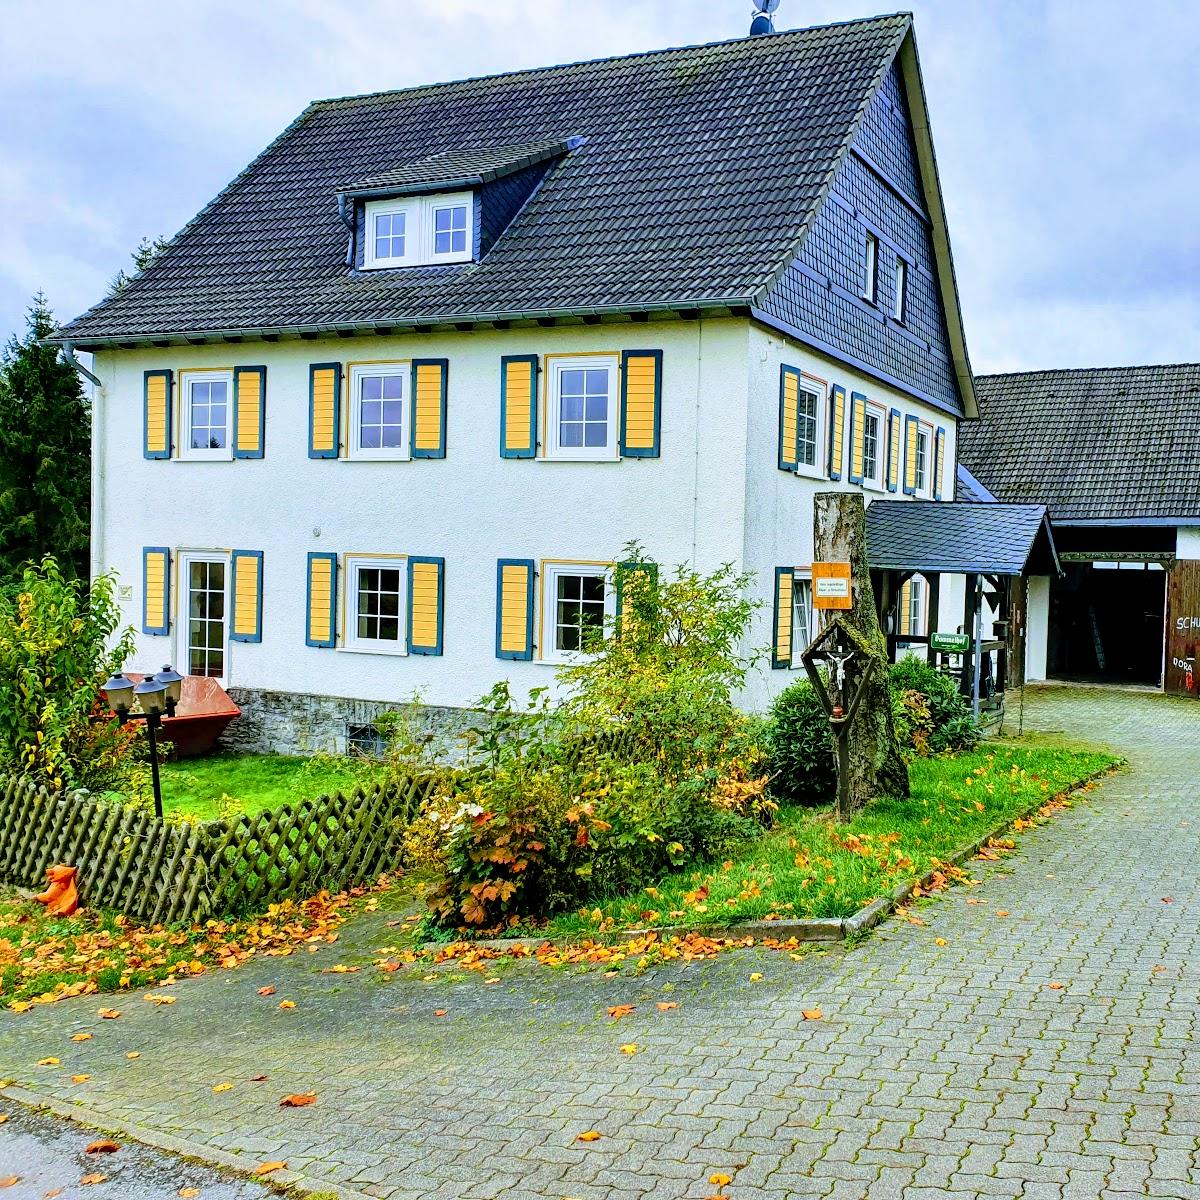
1107,622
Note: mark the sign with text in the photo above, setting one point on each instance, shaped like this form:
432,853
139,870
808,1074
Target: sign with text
952,643
831,585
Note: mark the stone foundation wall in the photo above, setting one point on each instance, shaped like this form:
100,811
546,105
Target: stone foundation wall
297,723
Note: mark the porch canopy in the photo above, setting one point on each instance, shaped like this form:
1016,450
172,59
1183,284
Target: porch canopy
995,546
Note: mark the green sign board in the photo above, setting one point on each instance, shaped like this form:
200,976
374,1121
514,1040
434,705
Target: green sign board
955,643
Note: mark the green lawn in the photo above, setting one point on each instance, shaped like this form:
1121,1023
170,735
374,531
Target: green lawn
206,789
808,866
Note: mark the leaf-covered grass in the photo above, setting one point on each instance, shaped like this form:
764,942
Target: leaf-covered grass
808,866
205,789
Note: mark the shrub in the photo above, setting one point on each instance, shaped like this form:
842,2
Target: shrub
803,768
951,725
644,765
58,644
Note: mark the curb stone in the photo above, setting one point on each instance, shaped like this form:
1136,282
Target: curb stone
811,929
278,1182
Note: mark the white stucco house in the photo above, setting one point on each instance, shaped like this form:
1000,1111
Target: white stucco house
410,382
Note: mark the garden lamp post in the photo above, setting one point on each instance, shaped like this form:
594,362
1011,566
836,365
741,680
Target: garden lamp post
154,696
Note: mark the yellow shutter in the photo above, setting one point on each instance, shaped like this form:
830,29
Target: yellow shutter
858,423
893,450
247,595
322,600
249,388
429,407
910,454
837,431
156,590
514,608
781,655
425,588
939,453
518,406
156,436
789,405
641,399
324,409
905,607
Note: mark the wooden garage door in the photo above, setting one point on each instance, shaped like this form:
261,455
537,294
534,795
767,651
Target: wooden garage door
1183,628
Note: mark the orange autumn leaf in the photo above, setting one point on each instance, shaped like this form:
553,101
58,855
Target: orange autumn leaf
133,1054
92,1178
341,969
286,1004
159,999
269,1168
188,1193
10,1181
1055,987
269,990
667,1005
617,1011
440,1012
109,1014
3,1118
47,1062
299,1100
1002,912
80,1078
51,1193
720,1180
812,1014
103,1146
590,1135
81,1037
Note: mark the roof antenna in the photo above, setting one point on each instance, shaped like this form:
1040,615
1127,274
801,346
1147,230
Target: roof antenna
762,22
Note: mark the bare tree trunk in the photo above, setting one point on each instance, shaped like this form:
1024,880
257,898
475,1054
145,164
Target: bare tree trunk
876,767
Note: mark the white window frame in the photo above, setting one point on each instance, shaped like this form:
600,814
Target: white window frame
556,366
876,480
801,584
183,617
188,379
418,229
354,449
924,490
550,573
900,304
814,387
870,288
351,642
918,593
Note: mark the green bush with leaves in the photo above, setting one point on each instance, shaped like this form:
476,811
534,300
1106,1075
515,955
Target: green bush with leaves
644,764
951,725
58,644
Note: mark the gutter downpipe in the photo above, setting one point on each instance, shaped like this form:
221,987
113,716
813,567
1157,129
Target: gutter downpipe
71,361
347,220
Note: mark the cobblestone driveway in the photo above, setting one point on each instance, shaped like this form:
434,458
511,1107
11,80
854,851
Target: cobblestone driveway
936,1070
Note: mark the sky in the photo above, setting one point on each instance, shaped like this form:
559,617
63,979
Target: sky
1065,130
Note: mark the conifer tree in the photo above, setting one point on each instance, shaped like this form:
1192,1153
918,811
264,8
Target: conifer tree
45,454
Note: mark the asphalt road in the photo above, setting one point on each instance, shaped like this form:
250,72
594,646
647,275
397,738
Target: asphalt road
49,1156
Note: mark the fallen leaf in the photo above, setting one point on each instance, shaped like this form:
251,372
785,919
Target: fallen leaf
667,1005
494,979
103,1146
590,1136
269,990
617,1011
341,969
133,1054
285,1004
812,1014
223,1087
629,1048
1055,987
1168,899
188,1193
3,1118
93,1177
269,1168
299,1100
47,1062
720,1180
439,1012
939,941
109,1014
81,1037
258,1079
10,1181
80,1078
755,976
51,1193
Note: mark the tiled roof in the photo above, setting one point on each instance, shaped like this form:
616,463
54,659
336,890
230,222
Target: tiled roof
1119,444
967,487
459,168
959,538
701,169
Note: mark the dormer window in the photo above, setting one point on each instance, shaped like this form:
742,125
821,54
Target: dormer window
411,231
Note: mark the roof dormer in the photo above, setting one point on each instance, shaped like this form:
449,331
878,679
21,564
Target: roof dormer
447,208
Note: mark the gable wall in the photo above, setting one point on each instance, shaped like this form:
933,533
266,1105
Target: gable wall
820,293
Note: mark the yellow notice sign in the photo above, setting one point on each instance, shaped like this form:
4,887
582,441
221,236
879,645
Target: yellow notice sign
831,585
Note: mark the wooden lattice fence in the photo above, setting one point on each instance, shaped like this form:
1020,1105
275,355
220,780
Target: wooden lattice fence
159,872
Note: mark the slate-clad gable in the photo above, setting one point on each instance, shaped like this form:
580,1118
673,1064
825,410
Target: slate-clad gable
700,169
820,294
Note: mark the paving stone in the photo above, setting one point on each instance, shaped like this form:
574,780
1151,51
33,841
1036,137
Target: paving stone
938,1072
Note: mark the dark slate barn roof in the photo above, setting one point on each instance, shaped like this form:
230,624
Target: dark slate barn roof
700,170
967,487
960,538
1106,445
